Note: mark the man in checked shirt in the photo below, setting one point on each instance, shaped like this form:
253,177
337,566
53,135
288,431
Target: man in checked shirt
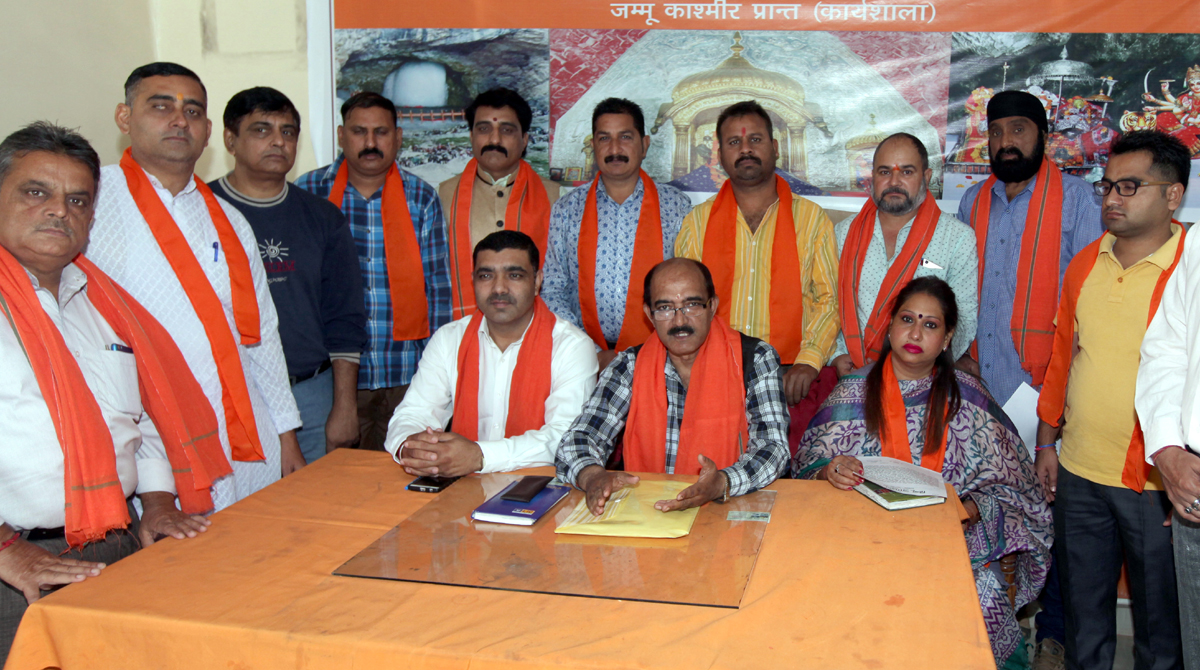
697,398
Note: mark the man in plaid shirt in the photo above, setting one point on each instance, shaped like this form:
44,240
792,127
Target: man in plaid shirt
681,303
370,142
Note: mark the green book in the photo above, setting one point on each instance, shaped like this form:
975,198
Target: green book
890,500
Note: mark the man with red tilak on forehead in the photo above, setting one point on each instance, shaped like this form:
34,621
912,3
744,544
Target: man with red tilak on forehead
497,191
900,234
773,255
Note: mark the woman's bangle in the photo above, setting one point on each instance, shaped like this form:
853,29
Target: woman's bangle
1045,446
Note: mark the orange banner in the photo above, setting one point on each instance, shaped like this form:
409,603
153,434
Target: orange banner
1080,16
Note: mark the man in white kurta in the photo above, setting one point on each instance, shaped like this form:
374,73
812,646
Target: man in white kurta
166,143
507,280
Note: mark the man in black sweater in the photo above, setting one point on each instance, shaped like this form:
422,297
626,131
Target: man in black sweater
311,264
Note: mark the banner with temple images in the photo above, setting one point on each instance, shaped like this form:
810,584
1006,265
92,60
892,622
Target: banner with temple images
836,79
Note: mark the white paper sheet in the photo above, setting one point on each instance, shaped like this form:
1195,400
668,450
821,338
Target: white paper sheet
1022,409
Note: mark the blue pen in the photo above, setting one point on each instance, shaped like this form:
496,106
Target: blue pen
216,245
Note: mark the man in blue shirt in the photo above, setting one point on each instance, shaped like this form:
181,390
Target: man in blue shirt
614,220
370,142
311,265
1017,128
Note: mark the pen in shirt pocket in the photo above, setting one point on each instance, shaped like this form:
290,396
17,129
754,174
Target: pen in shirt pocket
120,348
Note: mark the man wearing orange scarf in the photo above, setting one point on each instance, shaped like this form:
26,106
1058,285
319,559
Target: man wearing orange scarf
192,260
606,237
772,255
79,438
1109,504
512,376
899,235
498,190
1030,220
697,398
396,221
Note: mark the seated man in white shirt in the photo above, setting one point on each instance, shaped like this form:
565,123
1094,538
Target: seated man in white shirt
79,440
512,377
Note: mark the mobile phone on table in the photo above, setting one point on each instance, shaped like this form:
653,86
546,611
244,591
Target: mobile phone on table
430,484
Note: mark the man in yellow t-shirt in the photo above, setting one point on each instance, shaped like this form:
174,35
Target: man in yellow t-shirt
1109,506
787,301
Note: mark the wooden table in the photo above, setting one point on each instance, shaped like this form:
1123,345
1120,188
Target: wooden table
839,583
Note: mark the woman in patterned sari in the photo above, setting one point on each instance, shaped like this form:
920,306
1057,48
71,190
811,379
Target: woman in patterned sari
882,411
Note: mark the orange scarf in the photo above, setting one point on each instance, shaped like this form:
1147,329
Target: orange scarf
402,254
1053,400
893,437
647,252
235,395
720,254
95,500
714,415
528,211
530,384
1032,324
865,344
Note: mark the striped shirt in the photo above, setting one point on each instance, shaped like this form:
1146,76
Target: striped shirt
594,435
999,363
750,309
386,363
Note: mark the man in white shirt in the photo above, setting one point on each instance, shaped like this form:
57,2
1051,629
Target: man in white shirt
69,389
192,260
1168,409
513,376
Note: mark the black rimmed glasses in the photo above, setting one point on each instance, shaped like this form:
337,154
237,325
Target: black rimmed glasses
666,313
1125,187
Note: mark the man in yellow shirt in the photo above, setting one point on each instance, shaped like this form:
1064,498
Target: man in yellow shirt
782,279
1109,505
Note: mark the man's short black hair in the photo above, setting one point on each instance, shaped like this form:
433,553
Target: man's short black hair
1168,156
367,100
921,150
498,98
258,99
160,69
620,106
744,108
508,239
708,280
45,136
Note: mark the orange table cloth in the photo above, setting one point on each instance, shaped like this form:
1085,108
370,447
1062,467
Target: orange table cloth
839,583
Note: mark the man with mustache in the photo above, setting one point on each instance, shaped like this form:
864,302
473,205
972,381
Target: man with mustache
80,440
604,238
191,259
1109,504
311,265
512,376
498,190
899,235
1030,220
396,222
698,398
773,254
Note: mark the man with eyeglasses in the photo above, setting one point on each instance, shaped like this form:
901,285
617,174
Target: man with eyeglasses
1030,220
498,190
1167,399
508,380
1109,504
697,398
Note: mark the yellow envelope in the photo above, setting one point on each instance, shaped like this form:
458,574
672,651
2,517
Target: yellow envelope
630,513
